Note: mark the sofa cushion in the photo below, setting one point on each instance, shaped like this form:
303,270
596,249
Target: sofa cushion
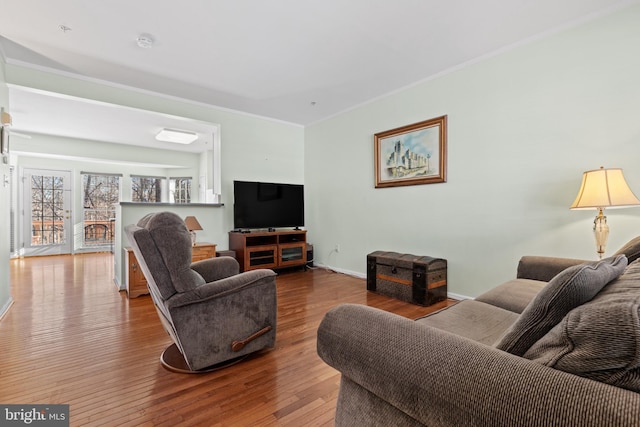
513,295
599,340
625,286
631,250
569,289
471,319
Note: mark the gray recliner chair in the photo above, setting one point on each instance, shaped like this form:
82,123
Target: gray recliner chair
214,315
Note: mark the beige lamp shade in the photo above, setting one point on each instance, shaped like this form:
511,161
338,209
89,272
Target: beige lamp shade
192,223
604,188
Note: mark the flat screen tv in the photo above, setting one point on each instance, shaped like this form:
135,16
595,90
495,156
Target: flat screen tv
267,205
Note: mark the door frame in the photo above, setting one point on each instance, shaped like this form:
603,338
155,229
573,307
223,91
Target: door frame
25,208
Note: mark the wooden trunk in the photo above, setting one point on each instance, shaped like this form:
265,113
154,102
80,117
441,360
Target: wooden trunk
419,280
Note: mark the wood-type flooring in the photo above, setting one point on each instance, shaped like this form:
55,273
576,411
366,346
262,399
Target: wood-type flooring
71,337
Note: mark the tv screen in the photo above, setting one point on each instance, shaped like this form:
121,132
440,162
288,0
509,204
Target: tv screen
267,205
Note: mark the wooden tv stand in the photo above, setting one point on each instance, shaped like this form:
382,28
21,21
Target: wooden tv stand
269,249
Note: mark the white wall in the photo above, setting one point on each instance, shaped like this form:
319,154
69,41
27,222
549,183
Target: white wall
523,126
5,197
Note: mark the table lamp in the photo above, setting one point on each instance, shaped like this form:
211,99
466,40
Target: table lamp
192,225
603,188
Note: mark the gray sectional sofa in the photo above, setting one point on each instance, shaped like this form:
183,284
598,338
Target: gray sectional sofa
557,346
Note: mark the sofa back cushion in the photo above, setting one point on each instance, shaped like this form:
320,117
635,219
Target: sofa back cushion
599,340
150,261
631,250
567,290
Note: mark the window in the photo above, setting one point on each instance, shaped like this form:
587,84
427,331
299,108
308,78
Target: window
180,190
146,189
47,210
101,195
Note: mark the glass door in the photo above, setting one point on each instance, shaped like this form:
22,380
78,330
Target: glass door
47,212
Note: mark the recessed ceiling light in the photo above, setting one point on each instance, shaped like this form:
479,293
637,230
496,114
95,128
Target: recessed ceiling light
177,136
145,41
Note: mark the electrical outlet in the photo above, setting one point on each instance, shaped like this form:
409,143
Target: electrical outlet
337,248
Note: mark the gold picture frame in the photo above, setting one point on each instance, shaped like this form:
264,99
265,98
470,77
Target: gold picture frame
412,155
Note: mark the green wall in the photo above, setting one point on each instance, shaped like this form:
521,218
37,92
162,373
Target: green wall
252,148
523,126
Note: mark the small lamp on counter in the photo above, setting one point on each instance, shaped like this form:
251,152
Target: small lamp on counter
192,225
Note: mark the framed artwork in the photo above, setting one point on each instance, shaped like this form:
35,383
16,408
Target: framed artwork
411,155
4,140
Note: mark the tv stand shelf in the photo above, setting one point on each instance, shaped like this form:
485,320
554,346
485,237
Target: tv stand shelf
269,249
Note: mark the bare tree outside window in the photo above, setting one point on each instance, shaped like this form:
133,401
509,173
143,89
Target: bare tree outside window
180,190
100,198
47,210
146,189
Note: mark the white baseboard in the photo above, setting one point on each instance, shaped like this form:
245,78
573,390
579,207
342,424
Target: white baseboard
120,286
340,270
457,296
6,308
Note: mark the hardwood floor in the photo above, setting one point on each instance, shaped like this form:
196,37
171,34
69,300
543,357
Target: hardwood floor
71,337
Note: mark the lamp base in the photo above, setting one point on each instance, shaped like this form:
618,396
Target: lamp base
193,238
601,232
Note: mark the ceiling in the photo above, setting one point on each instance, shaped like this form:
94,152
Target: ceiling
298,61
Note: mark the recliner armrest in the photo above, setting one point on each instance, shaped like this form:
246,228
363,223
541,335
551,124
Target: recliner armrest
213,269
441,379
544,268
223,287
